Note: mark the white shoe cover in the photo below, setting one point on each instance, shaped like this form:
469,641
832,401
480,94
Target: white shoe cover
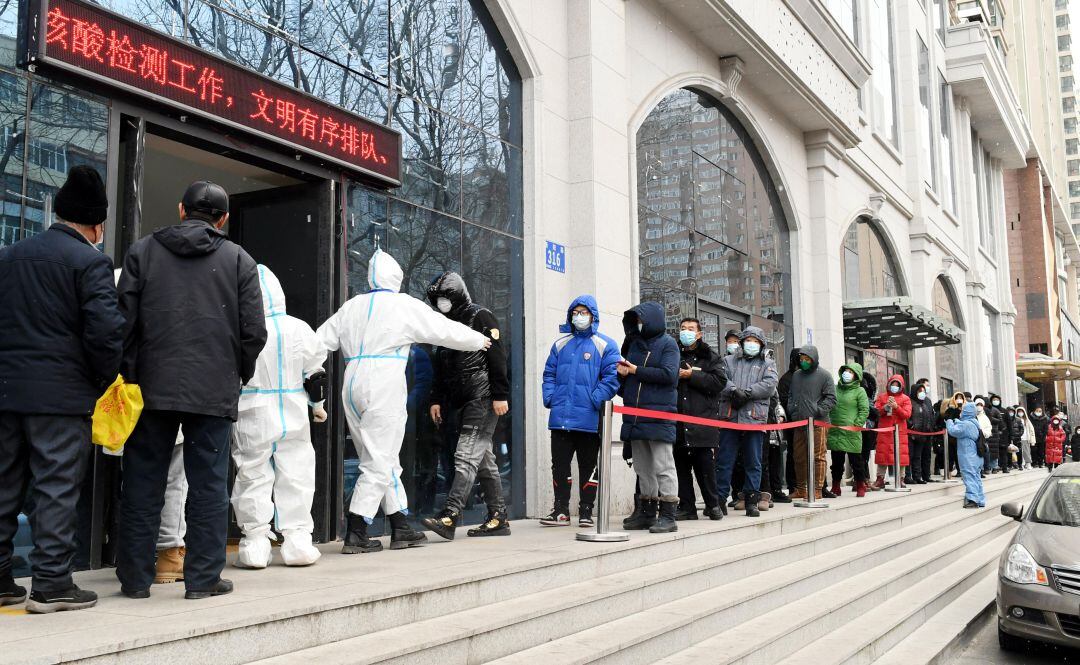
297,549
254,551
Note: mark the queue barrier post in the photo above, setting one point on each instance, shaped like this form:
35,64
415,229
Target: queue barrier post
945,454
601,534
896,486
811,481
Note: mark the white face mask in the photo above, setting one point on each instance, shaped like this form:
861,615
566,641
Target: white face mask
921,396
444,305
894,389
581,320
847,377
733,347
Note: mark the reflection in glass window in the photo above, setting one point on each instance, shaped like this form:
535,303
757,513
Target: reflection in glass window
868,268
929,164
253,45
989,334
13,120
426,51
948,191
430,155
883,58
353,34
163,15
66,129
710,225
947,358
9,31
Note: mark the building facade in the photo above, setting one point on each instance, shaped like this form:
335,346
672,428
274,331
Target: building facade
834,172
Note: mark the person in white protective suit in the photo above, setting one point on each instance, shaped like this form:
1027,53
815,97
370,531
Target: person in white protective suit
275,461
170,544
375,331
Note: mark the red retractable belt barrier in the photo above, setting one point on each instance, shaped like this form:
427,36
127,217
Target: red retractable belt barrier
724,424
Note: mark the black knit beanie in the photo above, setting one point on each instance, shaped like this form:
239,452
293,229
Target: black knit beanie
82,199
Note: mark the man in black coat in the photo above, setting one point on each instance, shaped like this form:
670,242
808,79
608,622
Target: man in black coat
60,342
923,419
701,378
999,440
1040,422
194,329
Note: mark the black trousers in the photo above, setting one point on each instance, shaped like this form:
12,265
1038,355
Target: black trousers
146,471
772,468
564,445
919,449
51,451
700,463
939,457
859,469
789,469
1038,453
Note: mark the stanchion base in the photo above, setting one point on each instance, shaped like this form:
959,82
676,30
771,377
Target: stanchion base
810,504
592,536
904,490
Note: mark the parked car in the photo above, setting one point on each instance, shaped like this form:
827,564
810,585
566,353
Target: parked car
1038,594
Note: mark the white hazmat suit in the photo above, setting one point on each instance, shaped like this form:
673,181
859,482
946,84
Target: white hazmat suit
275,461
375,332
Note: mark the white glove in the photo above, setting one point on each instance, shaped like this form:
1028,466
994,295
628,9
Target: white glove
319,413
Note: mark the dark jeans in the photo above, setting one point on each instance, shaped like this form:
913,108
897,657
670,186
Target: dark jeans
475,460
146,472
789,466
919,452
772,468
52,451
747,443
564,445
859,470
1038,457
700,463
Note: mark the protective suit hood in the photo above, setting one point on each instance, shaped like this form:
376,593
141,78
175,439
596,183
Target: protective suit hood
273,295
451,286
384,273
590,302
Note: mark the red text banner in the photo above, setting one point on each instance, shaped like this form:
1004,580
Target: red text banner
87,39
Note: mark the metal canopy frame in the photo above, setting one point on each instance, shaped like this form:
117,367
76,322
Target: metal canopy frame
895,323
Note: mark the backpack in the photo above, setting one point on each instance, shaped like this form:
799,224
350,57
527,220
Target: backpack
981,446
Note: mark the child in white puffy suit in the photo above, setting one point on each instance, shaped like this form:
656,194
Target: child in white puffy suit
275,461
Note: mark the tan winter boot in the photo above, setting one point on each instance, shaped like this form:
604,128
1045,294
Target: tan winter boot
741,503
766,501
170,565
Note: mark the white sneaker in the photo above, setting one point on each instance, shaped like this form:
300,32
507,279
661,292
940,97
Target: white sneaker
254,552
297,549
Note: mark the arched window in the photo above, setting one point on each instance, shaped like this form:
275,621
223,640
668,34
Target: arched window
868,267
947,358
713,240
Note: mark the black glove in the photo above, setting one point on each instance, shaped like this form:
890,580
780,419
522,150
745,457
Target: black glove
628,453
315,386
739,398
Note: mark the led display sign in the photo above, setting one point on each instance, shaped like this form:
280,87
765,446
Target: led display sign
88,40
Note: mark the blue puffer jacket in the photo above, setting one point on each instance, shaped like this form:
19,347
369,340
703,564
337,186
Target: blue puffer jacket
580,373
655,385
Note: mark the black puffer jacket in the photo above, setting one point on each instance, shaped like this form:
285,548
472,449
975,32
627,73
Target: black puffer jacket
1040,424
60,329
699,395
923,416
654,386
869,384
999,440
464,376
195,323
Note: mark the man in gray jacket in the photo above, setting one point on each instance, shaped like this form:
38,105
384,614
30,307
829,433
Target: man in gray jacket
751,383
812,395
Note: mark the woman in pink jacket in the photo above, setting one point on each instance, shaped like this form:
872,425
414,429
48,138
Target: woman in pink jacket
894,407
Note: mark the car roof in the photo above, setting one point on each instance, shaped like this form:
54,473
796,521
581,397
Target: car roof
1070,469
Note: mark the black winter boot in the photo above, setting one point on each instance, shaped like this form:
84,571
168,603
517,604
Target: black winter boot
686,513
403,536
444,524
356,538
643,518
714,513
752,504
666,522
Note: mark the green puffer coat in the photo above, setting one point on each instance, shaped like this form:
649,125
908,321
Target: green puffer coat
852,408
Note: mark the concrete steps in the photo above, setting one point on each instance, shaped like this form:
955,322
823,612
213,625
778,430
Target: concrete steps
649,610
736,591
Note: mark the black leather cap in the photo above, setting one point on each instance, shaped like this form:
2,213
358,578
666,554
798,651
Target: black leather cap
207,198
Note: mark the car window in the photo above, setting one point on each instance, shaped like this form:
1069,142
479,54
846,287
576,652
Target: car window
1059,503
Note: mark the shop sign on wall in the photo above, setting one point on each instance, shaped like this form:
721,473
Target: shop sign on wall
89,40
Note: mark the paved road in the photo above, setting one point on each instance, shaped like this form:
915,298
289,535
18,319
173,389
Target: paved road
984,651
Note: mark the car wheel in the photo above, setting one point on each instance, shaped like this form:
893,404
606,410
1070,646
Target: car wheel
1009,642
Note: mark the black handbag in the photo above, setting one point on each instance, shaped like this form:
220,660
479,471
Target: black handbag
980,446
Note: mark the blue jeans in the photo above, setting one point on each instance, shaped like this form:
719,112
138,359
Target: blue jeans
731,443
970,463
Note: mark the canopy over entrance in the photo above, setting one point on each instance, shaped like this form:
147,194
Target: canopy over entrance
1040,368
895,323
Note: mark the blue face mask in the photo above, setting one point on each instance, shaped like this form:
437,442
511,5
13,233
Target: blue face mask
581,321
847,377
687,337
894,389
733,347
751,348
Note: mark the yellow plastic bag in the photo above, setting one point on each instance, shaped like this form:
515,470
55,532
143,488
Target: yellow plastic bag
116,414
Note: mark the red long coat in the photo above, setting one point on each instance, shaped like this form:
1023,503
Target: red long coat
883,455
1055,444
